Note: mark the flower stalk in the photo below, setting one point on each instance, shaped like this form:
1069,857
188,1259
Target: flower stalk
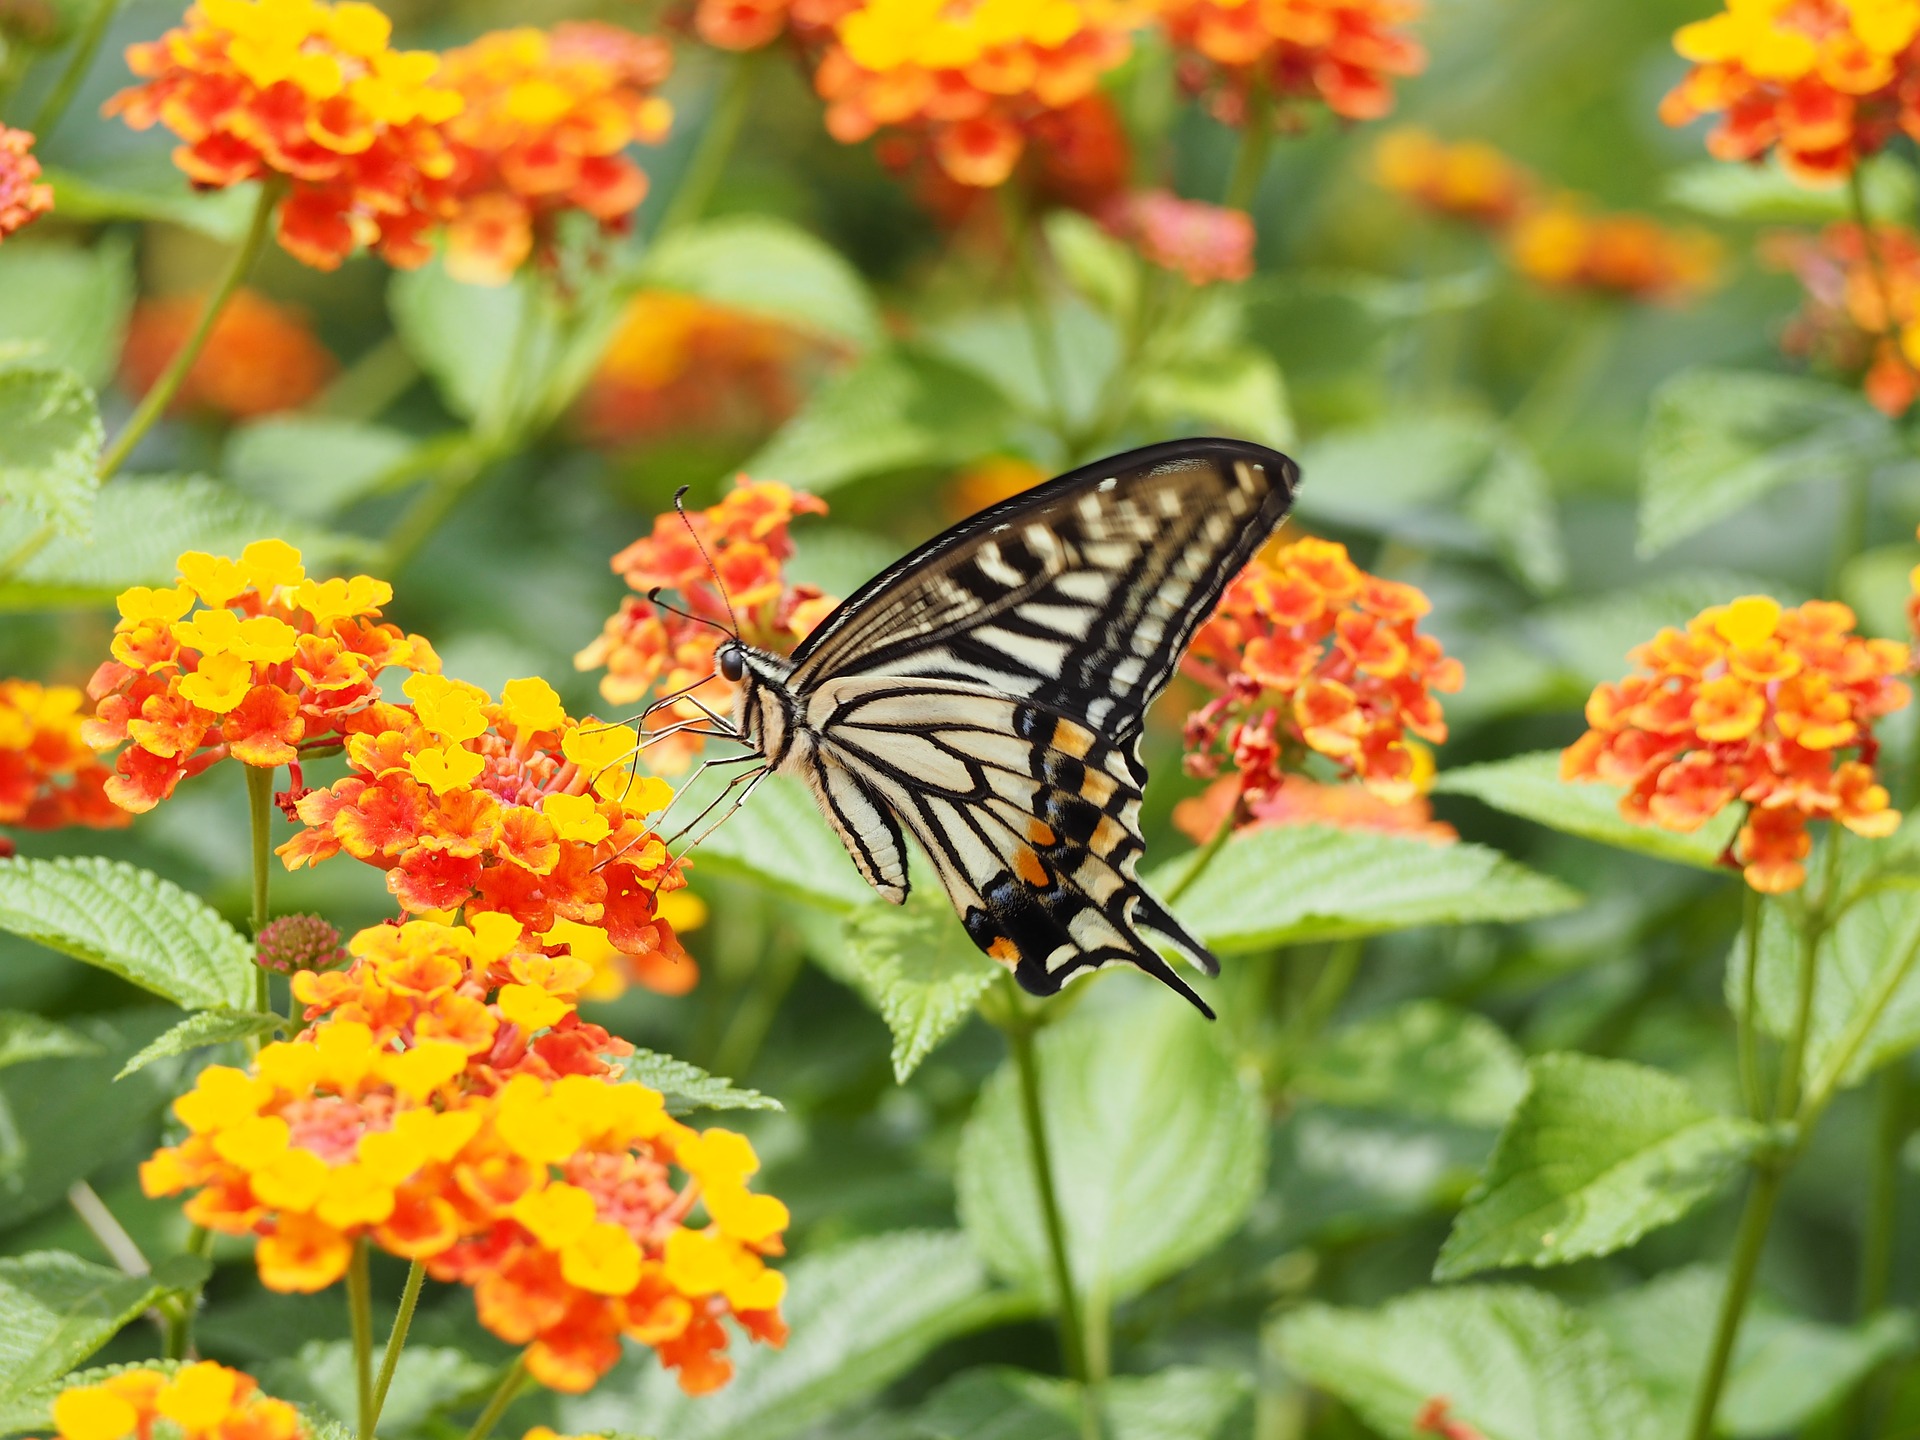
709,159
78,64
1256,146
397,1337
260,822
503,1396
360,1313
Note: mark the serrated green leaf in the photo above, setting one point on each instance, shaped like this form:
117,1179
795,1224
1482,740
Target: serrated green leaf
313,466
140,527
57,1309
860,1315
997,346
1598,1153
465,336
779,840
1286,884
142,192
50,439
66,306
32,1409
1514,1364
428,1378
916,966
688,1087
1766,194
1157,1147
127,920
1181,1402
1717,440
1423,1058
1342,1175
1401,475
1237,391
771,268
25,1037
1513,502
218,1026
1530,786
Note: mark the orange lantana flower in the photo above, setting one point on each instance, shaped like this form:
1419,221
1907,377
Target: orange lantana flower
49,777
270,663
259,358
1344,54
312,93
546,118
1467,178
1750,703
1826,82
1311,655
1851,280
201,1401
643,646
24,197
1347,805
1563,244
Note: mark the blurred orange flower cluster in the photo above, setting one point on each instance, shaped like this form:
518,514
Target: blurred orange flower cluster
1344,54
24,197
750,24
1300,801
971,79
1852,281
1757,704
512,808
1824,82
1309,654
1467,178
1205,243
448,1105
201,1401
643,646
312,93
270,663
259,358
545,118
49,777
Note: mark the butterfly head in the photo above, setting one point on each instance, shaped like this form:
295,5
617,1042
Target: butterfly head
731,659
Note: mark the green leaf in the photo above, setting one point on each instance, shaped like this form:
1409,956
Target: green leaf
1097,265
1515,1364
915,965
1786,1371
1766,194
141,526
861,1315
1717,440
897,409
1236,391
1424,1058
1340,1176
25,1037
688,1087
1876,584
1286,884
428,1378
312,466
772,268
32,1408
1181,1402
1401,475
50,439
57,1309
1593,634
1530,786
218,1026
66,306
128,920
996,346
1513,502
779,840
1599,1153
1158,1150
464,336
144,193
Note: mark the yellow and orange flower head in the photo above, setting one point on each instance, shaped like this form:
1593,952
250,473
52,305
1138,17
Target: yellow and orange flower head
752,24
643,646
547,115
448,1104
1750,703
511,808
201,1401
1564,245
969,79
1205,243
1824,82
269,661
1309,655
311,93
1845,324
1344,54
259,359
1468,179
24,197
49,777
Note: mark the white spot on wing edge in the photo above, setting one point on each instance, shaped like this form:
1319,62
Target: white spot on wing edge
1106,484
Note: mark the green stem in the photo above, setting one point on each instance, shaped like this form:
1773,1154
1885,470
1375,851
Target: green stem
1256,144
1021,238
1205,857
1751,1238
1883,1191
709,159
509,1387
1150,309
161,394
360,1312
179,1327
432,506
1747,1041
1555,397
397,1337
753,1017
380,375
78,63
1793,1059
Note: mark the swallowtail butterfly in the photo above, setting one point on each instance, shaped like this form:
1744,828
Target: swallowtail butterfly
985,695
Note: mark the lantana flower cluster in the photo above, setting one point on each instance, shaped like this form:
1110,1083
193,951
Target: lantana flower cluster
245,658
969,79
511,808
201,1401
49,776
1824,83
751,24
260,357
448,1105
1205,243
1469,179
1308,654
310,94
24,196
1756,704
643,646
1340,805
545,119
1344,54
1861,316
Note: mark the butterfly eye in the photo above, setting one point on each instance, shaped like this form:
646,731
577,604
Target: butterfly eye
733,663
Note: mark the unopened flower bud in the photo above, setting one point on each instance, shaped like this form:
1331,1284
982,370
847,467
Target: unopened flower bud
299,942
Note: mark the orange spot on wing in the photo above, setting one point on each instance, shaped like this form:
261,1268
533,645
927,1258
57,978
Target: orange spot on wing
1027,866
1005,951
1041,833
1072,740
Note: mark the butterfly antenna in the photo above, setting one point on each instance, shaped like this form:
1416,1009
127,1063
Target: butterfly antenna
653,598
680,504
